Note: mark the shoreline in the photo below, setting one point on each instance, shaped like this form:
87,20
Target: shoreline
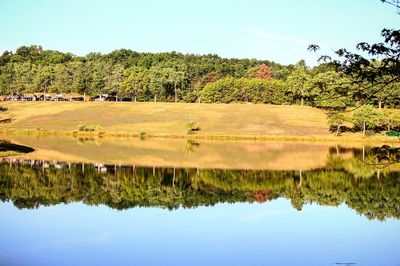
110,134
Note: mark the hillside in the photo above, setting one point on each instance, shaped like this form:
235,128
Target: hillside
168,118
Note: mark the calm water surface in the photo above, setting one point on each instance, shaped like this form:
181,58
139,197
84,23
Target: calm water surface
327,205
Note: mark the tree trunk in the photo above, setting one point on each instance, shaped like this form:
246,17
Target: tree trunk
155,98
135,99
173,178
338,130
380,105
176,93
84,96
363,153
364,128
302,98
301,180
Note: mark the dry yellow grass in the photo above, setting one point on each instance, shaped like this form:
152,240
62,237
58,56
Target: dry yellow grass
169,118
216,121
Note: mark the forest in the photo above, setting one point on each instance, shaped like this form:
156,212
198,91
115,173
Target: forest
177,77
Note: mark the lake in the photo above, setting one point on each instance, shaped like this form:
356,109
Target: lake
91,201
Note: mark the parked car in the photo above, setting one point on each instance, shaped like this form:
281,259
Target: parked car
114,98
111,99
44,97
59,98
15,97
100,97
30,98
77,99
125,99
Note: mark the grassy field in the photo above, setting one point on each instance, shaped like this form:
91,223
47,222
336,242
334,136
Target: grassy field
168,119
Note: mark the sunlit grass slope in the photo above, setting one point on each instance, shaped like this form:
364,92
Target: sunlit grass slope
169,118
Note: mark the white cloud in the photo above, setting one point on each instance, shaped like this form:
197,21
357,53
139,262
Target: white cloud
266,35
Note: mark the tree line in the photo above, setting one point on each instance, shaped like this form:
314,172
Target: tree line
184,78
146,76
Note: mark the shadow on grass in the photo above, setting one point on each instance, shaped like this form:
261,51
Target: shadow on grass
7,147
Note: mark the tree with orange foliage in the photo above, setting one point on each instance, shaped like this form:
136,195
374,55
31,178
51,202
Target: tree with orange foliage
261,196
261,72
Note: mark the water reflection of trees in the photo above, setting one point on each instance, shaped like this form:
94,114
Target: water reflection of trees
372,192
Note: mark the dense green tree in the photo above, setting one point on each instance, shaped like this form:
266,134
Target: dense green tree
246,90
336,119
136,82
44,80
367,117
224,90
113,79
299,82
329,89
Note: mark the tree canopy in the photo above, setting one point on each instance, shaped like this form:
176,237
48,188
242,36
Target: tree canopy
188,78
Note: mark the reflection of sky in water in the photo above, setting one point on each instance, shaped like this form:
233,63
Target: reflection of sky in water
227,234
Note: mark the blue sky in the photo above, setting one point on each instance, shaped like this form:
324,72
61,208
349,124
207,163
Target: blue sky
263,29
273,233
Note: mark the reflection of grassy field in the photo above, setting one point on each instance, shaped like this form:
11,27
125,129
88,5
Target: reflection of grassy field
179,152
169,118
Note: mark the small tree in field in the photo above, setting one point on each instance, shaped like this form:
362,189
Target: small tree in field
336,119
392,119
367,117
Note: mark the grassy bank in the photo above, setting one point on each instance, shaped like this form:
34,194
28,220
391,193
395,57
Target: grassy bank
214,121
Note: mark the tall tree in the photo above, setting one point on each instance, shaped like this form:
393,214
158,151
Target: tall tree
113,79
299,82
136,81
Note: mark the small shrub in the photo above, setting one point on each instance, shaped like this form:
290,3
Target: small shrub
191,127
88,128
142,135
